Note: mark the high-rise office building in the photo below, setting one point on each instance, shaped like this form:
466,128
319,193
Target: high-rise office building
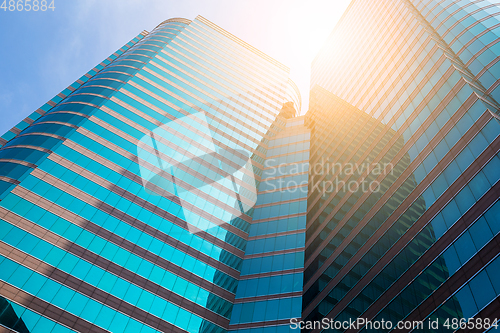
174,188
126,201
269,292
406,92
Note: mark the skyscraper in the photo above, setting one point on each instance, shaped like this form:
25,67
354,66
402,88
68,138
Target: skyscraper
411,91
126,201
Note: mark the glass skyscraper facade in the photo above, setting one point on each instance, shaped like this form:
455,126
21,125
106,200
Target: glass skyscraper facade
126,201
175,188
423,245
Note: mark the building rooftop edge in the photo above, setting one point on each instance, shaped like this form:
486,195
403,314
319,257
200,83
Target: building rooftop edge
175,19
243,43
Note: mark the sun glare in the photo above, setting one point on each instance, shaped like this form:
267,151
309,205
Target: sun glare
308,26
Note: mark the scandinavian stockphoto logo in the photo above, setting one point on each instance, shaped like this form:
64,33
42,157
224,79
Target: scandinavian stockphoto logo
180,161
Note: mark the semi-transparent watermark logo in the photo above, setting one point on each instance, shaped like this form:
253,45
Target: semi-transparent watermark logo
179,160
330,177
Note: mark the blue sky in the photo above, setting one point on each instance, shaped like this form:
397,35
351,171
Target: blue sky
42,53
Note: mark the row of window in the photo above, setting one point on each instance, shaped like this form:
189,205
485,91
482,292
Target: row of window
283,170
277,243
283,183
288,149
269,285
272,263
91,310
280,210
267,329
290,139
288,159
275,309
277,196
278,226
